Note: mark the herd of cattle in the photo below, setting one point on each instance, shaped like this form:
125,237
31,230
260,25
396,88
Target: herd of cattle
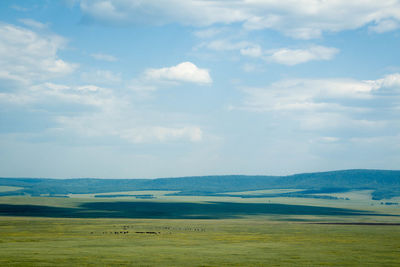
166,228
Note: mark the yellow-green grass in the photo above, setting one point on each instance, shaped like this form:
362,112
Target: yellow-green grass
360,195
276,239
257,242
261,192
4,188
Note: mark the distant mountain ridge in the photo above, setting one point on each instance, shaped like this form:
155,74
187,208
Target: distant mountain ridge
384,183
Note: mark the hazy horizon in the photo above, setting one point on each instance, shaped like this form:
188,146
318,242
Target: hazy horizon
206,175
154,89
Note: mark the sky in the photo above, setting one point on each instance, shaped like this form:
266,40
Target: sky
156,88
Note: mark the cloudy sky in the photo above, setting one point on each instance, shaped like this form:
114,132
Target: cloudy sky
157,88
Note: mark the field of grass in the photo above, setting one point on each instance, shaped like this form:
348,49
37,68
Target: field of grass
196,231
9,188
240,242
360,195
262,192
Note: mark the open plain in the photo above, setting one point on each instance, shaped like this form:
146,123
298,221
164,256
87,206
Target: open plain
42,231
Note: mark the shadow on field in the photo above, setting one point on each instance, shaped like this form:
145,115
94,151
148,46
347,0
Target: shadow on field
167,210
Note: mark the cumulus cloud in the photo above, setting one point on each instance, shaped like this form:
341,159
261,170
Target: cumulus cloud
50,95
319,104
332,111
285,56
122,122
26,56
391,81
304,19
84,95
386,25
183,72
99,113
296,56
107,125
317,94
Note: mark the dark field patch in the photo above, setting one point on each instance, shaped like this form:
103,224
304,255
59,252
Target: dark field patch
359,223
125,195
167,210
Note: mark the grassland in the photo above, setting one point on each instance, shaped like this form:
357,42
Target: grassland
197,231
9,188
246,242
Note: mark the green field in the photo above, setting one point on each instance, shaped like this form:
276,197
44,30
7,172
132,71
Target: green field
9,188
49,231
261,192
258,242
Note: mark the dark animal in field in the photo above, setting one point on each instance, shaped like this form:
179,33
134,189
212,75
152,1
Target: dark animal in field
150,233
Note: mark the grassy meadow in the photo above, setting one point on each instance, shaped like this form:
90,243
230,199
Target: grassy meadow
88,231
84,230
244,242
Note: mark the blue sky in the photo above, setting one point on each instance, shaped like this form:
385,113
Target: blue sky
143,89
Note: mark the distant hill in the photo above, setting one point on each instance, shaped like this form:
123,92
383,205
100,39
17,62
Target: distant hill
385,183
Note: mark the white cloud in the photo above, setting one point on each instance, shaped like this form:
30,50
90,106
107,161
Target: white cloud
89,88
296,56
389,81
283,56
108,125
26,56
191,12
252,51
33,24
122,123
304,19
314,94
339,107
227,45
52,93
385,26
99,113
10,80
104,57
183,72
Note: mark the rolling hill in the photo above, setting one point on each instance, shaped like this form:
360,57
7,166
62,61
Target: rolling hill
384,183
